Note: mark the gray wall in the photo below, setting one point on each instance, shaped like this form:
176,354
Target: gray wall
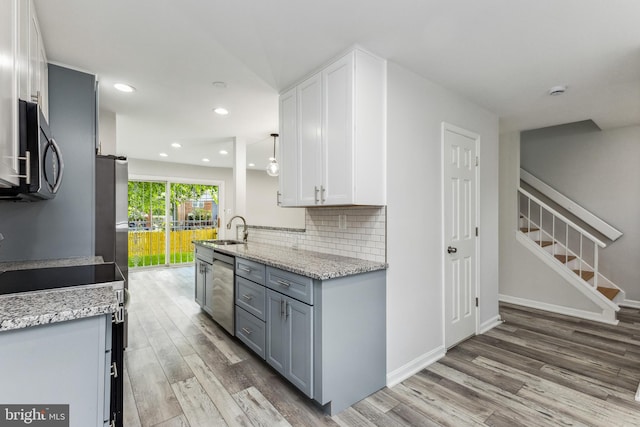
62,227
524,278
599,170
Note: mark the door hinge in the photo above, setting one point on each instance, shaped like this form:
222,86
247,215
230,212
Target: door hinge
476,301
476,231
477,161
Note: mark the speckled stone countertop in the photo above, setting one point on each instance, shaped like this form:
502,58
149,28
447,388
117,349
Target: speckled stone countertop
45,263
44,307
316,265
22,310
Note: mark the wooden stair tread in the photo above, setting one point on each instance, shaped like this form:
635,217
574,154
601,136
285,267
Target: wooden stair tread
544,243
526,230
565,258
586,275
609,292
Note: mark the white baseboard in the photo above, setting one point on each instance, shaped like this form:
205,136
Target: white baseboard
413,367
490,324
630,303
582,314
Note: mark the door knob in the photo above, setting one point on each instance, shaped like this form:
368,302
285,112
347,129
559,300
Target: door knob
452,250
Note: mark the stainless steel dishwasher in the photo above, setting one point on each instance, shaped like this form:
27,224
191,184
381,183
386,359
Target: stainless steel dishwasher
223,301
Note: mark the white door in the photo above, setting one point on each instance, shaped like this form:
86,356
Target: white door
309,141
459,182
288,152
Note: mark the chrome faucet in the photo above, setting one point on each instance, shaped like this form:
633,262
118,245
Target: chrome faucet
245,232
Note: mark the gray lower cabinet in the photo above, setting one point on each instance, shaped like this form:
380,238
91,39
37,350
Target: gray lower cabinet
327,337
289,339
204,285
60,363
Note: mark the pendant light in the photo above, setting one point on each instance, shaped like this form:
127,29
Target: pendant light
273,168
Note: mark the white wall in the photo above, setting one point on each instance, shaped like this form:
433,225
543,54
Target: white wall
599,170
262,207
416,110
107,132
523,276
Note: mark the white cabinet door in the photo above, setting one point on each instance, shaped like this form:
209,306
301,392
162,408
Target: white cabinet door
337,153
310,141
288,179
24,17
34,60
9,149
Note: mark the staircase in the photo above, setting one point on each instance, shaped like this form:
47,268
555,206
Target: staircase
569,249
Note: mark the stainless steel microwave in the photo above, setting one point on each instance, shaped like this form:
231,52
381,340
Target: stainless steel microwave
40,158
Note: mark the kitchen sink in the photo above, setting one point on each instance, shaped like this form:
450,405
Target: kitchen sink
223,242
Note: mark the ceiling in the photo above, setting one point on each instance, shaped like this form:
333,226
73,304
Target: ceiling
501,54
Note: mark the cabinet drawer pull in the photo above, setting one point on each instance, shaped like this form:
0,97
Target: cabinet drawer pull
247,331
283,283
247,269
247,297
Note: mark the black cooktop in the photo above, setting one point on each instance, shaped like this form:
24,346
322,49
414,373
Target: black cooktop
39,279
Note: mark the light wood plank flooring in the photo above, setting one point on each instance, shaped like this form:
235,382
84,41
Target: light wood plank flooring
536,369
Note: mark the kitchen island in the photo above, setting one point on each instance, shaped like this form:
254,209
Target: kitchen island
317,319
56,338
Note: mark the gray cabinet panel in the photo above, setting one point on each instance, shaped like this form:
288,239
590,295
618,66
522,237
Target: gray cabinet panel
291,284
251,297
299,324
276,332
63,362
251,331
200,279
250,270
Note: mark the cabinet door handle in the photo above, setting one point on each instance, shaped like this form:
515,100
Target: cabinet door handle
281,307
247,331
316,190
286,310
278,201
322,191
114,370
247,269
283,283
247,297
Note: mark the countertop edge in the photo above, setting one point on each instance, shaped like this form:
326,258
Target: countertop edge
364,266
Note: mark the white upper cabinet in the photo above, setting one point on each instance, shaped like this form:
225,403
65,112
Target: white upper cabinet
9,149
340,135
287,149
23,75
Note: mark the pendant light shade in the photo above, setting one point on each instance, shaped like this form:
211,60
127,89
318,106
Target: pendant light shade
273,168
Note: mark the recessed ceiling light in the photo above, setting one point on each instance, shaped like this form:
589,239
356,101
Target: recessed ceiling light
557,90
221,111
176,145
205,160
251,165
219,85
123,87
224,152
164,155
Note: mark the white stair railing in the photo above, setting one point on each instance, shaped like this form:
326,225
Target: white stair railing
564,233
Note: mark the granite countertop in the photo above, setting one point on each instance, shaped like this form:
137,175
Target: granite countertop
316,265
44,307
25,309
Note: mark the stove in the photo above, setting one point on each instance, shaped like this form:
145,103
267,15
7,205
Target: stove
40,279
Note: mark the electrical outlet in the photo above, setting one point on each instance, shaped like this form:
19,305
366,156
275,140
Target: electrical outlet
342,222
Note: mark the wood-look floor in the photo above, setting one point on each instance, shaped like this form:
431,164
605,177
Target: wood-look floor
536,369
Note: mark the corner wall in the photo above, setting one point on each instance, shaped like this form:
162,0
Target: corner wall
416,109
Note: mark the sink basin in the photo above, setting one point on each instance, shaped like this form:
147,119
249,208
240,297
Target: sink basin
223,242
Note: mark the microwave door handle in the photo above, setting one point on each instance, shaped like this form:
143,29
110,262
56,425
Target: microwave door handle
60,163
